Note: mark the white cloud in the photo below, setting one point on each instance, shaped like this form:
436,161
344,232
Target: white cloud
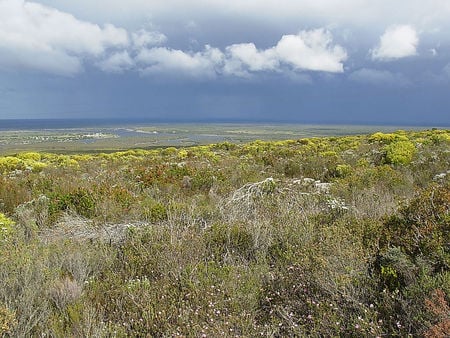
143,38
245,57
177,62
116,63
307,51
379,78
397,42
311,50
37,37
42,38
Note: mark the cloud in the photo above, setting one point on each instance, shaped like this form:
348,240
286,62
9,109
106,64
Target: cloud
179,63
379,78
397,42
245,57
312,50
307,51
40,38
116,63
143,38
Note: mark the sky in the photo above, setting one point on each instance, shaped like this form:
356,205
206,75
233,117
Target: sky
303,61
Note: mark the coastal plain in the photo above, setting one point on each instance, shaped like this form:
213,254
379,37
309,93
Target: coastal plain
149,136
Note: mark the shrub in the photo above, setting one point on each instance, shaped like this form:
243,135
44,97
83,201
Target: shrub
223,240
204,179
414,260
387,138
12,194
182,154
6,227
421,228
7,320
438,306
81,201
36,157
10,163
343,170
401,152
153,211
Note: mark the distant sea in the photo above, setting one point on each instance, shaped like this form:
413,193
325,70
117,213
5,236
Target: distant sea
55,124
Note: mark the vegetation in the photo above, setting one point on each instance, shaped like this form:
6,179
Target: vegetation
335,236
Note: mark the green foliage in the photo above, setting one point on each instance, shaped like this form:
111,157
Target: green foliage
204,179
387,138
7,320
343,170
223,240
10,163
153,211
440,137
401,152
36,157
80,201
421,228
414,257
6,227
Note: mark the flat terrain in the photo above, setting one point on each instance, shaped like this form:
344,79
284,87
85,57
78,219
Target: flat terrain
145,136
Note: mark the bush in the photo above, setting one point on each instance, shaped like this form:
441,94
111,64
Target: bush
421,228
6,227
224,241
10,163
414,260
387,138
401,152
153,211
7,320
81,201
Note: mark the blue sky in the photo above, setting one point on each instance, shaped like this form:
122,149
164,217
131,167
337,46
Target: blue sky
327,61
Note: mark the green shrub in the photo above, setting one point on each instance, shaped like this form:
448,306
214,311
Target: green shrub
203,179
7,320
81,201
36,157
387,138
6,227
10,163
421,228
223,240
343,170
401,152
413,260
153,211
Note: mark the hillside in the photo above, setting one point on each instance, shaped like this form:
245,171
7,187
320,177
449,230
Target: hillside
332,236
